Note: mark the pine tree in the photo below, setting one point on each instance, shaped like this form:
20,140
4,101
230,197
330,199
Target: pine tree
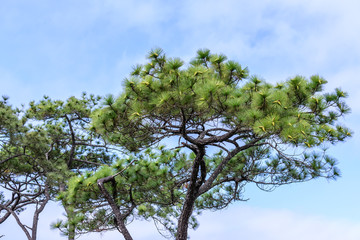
44,146
70,148
212,104
21,180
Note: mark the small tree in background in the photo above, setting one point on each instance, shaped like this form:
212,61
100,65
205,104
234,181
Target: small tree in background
71,147
42,148
22,180
266,134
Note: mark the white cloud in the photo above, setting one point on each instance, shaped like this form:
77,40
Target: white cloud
248,223
299,35
112,15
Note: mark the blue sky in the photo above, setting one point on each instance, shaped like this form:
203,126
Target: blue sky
62,48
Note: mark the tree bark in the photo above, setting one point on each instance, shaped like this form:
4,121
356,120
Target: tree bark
38,211
183,223
123,229
12,204
120,218
192,193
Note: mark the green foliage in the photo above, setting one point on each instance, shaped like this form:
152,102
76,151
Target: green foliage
146,188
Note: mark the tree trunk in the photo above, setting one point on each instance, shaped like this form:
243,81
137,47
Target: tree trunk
124,230
120,219
183,223
192,193
38,211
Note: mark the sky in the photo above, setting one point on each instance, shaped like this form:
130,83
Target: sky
63,48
